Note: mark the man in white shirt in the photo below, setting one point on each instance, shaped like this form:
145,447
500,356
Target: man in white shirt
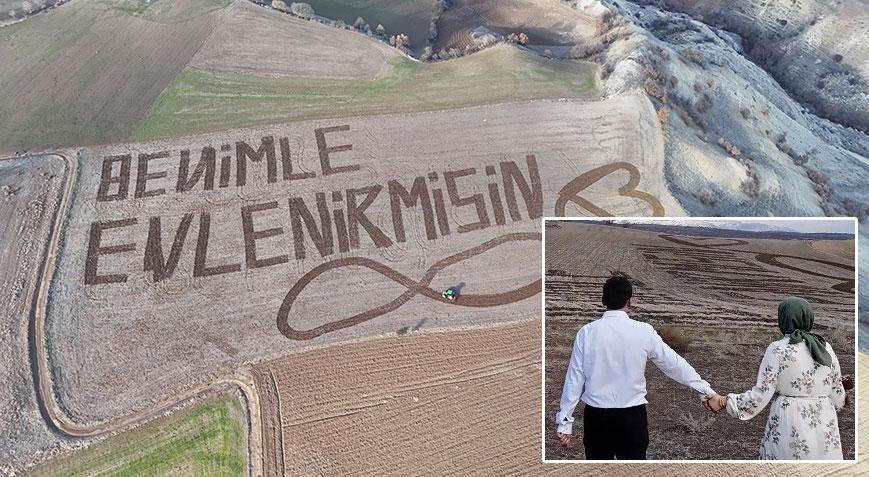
607,372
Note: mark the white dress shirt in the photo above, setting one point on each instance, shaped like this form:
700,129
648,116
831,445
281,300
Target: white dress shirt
608,366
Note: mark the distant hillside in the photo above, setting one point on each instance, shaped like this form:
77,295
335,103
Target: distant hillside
699,231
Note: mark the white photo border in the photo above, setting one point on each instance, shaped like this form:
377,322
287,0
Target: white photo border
855,229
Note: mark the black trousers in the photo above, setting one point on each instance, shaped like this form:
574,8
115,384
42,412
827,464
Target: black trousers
615,433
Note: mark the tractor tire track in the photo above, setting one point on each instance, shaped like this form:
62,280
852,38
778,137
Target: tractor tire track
51,411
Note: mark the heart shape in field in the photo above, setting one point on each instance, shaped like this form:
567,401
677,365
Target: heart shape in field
704,242
570,192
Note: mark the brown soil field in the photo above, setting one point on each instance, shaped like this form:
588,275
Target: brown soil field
722,294
836,248
30,189
548,23
462,402
87,71
255,40
452,402
430,211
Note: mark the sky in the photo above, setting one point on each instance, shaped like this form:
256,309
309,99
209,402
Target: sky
826,225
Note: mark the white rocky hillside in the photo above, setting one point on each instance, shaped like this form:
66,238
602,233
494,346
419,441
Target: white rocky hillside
737,142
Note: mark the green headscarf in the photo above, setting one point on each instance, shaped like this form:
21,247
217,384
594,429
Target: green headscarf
795,317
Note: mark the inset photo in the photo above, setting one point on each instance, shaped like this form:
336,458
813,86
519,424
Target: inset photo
713,339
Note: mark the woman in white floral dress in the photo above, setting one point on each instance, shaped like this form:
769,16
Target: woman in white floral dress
800,374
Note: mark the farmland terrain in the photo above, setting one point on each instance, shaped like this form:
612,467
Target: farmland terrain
137,289
207,438
718,294
87,71
30,194
150,259
237,80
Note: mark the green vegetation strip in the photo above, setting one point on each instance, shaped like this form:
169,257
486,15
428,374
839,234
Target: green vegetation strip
202,101
204,439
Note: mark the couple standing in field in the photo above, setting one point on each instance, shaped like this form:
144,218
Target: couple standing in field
799,373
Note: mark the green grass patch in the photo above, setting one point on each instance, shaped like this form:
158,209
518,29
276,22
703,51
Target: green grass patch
202,101
410,17
133,7
205,439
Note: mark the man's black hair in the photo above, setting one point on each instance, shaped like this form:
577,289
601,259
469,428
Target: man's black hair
616,292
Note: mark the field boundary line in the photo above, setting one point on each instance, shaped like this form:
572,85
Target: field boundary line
51,411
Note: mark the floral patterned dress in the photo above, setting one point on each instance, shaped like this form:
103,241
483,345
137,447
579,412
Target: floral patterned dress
805,397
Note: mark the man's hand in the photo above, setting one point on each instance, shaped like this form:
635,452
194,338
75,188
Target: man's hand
565,439
848,382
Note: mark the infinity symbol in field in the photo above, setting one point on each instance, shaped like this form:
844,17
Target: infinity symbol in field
414,287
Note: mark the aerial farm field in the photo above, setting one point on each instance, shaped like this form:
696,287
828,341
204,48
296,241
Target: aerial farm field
717,298
206,438
88,71
237,79
225,228
201,101
252,40
161,245
31,190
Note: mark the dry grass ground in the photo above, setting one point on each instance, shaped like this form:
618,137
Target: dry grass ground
206,438
200,101
30,189
717,294
251,39
117,347
88,71
548,23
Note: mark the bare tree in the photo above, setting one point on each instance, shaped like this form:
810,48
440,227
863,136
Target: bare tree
302,10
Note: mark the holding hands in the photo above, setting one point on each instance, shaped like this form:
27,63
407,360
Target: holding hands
848,382
715,402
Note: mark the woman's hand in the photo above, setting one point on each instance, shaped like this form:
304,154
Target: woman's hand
565,439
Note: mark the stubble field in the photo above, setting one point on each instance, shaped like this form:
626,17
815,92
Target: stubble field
720,294
170,263
88,71
30,191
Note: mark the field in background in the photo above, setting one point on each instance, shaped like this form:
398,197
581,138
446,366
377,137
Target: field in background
410,17
88,71
201,101
208,438
459,402
92,72
254,40
549,24
714,298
